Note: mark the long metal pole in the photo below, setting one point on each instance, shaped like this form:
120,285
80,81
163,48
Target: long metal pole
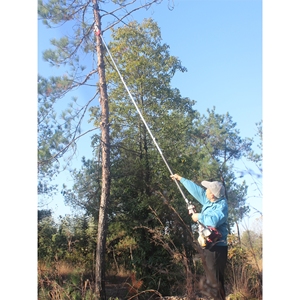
138,110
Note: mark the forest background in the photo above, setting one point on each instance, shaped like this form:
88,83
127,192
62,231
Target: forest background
222,51
25,188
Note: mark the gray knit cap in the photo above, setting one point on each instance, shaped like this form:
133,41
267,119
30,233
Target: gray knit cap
215,187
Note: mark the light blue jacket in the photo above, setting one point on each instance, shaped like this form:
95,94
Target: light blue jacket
213,214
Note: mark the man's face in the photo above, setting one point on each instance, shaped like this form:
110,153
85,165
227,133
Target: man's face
210,195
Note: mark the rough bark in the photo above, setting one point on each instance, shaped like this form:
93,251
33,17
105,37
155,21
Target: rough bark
105,155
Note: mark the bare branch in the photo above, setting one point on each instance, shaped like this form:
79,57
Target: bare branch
123,7
61,152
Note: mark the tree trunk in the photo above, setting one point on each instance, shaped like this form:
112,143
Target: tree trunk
105,154
238,232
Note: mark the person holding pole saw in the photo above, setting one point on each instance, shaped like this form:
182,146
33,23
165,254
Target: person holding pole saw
213,226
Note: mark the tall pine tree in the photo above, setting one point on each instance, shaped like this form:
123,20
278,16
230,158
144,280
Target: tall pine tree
83,22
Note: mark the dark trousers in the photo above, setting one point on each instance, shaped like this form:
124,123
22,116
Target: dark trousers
216,259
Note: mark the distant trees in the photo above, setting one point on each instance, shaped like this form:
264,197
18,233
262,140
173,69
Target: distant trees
70,239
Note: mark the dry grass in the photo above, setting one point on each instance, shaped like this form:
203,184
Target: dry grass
61,280
245,282
61,268
64,269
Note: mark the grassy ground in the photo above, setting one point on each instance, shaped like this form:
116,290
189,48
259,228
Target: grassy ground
63,281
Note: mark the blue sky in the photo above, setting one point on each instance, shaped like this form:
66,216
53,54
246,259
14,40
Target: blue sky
220,44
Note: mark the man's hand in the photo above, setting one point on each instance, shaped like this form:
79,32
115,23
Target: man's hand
195,217
176,177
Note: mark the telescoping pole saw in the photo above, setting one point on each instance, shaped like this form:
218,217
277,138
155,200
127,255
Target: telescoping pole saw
206,232
145,123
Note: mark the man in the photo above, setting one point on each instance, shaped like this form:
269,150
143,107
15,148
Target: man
214,213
